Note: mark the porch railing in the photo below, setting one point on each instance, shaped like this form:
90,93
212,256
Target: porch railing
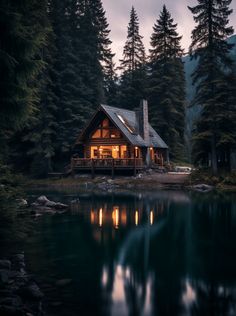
106,163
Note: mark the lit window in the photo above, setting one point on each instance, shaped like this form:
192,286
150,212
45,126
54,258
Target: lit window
97,134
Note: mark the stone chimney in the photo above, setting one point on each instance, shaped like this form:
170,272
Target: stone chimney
142,120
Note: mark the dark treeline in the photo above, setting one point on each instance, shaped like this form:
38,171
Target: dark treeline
57,66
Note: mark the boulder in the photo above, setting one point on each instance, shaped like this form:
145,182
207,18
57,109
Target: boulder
42,200
43,204
203,187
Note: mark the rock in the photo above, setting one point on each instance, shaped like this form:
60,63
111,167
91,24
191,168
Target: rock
60,206
43,204
42,200
22,202
50,203
203,187
5,264
4,277
110,181
31,291
63,282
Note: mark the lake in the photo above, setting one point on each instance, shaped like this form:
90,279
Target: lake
163,253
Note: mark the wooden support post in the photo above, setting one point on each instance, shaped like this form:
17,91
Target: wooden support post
92,168
135,171
112,169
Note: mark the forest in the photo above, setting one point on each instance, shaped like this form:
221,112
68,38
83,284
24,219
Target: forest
57,66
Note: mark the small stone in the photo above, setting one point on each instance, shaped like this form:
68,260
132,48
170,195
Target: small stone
5,264
63,282
22,202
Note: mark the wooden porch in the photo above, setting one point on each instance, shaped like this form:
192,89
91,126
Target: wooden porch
102,164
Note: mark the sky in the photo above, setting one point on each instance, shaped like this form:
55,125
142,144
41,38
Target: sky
118,14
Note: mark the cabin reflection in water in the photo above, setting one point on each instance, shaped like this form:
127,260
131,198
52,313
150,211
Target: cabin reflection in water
166,254
120,216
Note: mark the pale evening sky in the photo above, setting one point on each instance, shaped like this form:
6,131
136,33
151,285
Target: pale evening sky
118,14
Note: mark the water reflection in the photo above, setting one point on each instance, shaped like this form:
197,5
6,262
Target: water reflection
169,253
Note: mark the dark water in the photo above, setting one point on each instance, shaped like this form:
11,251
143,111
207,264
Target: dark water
164,253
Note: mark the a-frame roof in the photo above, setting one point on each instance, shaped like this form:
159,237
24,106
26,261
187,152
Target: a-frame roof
115,114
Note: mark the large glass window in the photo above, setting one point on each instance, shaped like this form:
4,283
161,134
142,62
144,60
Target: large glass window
115,152
105,130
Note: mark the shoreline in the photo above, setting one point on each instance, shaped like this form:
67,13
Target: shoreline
145,182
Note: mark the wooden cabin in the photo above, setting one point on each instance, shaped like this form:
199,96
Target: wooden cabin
119,139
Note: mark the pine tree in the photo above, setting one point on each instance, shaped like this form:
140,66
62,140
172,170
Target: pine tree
111,83
166,92
133,66
23,34
211,79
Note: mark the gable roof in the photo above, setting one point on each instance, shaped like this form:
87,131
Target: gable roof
130,118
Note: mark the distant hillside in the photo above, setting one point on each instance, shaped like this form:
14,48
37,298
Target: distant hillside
192,113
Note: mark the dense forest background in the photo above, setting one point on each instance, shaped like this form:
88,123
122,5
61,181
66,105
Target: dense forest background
57,66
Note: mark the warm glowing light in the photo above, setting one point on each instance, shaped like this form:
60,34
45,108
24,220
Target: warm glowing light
189,296
115,216
151,148
136,218
100,217
151,217
92,217
104,277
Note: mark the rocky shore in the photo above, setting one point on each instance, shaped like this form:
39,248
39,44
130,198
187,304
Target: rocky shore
20,294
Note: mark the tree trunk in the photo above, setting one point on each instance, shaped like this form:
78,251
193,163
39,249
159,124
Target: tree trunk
213,157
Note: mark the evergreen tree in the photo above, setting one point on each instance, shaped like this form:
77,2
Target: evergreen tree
23,33
133,66
212,136
166,92
111,83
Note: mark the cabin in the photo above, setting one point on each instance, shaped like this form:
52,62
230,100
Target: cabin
119,139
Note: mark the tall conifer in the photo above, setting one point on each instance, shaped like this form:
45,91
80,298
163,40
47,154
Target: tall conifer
166,92
212,137
133,66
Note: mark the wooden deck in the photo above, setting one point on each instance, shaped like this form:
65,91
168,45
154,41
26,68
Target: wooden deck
91,165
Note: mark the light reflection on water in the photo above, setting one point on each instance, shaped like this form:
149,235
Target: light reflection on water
168,253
